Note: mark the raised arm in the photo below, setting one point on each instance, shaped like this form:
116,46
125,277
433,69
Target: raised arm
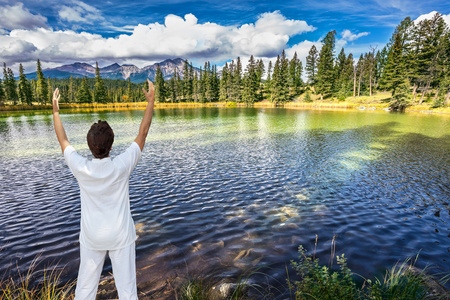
147,119
59,129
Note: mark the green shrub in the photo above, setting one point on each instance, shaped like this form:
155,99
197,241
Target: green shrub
320,282
307,97
402,281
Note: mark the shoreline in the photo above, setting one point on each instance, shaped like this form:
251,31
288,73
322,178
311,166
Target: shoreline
315,105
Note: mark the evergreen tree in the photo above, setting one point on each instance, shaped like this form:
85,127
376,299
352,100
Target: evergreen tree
284,84
381,62
370,66
445,79
295,74
236,88
250,82
360,71
268,85
311,65
191,85
394,72
275,82
307,97
179,87
401,98
10,85
230,82
279,81
195,87
71,91
34,87
208,83
130,94
41,88
100,94
339,70
6,81
25,92
259,75
428,53
215,84
172,88
160,93
202,86
223,91
400,56
344,75
22,87
2,93
187,81
325,68
83,94
348,76
50,89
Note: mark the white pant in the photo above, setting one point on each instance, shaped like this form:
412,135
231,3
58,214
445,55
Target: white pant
124,270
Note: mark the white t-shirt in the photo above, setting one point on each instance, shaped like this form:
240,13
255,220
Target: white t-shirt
106,222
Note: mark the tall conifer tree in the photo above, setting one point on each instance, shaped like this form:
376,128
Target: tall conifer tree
42,87
25,92
325,68
223,91
311,65
2,93
83,94
10,85
295,74
160,93
250,82
100,94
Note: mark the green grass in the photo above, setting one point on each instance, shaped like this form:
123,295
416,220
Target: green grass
50,288
315,281
402,281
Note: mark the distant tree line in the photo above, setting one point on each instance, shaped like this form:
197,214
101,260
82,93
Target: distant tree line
234,83
72,90
414,66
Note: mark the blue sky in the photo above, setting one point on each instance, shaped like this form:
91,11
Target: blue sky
144,32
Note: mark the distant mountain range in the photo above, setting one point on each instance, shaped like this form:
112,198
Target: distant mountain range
115,71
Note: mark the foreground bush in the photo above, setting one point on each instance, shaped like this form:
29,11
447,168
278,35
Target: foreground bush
402,281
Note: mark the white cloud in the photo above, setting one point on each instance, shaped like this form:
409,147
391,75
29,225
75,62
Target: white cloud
177,37
430,16
80,12
302,49
14,17
347,35
70,14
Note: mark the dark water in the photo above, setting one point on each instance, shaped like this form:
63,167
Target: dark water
225,191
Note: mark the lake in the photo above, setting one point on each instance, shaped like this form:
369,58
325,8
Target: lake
222,191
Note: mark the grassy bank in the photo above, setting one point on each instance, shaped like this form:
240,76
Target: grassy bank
314,281
379,101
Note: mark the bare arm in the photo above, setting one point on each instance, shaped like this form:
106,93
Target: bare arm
59,129
147,119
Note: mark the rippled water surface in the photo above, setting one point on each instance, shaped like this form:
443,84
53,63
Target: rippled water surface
223,191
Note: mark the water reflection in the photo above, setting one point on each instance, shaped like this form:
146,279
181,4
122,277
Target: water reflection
222,191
